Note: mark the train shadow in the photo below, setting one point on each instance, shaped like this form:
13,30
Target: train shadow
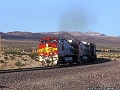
98,61
101,60
1,87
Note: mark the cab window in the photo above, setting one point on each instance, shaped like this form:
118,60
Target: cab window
53,41
44,41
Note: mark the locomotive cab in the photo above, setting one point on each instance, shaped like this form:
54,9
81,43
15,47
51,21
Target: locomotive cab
48,51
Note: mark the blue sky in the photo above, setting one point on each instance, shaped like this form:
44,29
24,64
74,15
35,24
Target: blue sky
60,15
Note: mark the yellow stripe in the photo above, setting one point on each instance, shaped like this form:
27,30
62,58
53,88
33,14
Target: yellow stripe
47,49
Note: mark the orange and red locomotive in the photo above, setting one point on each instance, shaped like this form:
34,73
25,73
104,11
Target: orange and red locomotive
56,51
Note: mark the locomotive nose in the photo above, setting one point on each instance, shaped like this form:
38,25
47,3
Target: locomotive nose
46,44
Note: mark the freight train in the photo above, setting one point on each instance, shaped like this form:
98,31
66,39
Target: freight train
60,51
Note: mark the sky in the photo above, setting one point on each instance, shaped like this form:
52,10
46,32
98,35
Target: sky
60,15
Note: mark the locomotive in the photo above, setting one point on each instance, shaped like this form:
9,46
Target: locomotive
58,51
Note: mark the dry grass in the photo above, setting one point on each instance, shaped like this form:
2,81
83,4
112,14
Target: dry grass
17,61
107,54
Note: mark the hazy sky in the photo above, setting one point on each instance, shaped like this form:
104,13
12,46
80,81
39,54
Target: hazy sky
60,15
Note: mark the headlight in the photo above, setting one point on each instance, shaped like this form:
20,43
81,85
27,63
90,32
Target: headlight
51,53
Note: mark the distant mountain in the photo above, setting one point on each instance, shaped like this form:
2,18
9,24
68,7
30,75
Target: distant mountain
103,35
92,33
95,34
17,35
75,33
87,36
1,33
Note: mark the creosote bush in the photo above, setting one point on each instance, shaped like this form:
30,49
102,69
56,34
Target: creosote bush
12,57
24,59
19,64
6,58
1,61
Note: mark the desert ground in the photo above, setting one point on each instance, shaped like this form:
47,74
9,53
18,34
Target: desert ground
13,54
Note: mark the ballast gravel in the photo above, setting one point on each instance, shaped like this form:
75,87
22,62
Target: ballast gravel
98,76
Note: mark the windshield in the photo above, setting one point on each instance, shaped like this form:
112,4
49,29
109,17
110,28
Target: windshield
46,41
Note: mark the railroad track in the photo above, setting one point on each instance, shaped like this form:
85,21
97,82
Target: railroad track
41,68
27,69
37,68
101,74
51,67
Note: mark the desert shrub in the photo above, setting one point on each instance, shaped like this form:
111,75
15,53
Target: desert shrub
19,64
6,58
12,57
1,61
24,59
